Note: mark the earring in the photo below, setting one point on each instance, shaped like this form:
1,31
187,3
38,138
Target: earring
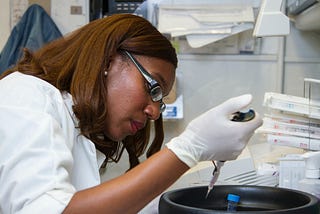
105,73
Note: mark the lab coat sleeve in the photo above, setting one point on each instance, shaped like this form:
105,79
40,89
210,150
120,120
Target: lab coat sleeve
34,164
35,159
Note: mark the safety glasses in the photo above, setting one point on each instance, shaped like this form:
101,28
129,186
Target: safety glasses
155,90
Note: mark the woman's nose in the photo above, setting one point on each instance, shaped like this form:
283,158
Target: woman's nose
153,110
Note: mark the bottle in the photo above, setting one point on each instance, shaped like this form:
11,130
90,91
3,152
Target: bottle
233,201
311,182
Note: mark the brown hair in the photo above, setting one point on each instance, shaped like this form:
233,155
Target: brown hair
76,64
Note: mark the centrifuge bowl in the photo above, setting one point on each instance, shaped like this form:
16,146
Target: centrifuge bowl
253,199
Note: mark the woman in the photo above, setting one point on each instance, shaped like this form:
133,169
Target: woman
98,88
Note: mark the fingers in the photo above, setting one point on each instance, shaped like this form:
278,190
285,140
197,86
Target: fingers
235,104
256,121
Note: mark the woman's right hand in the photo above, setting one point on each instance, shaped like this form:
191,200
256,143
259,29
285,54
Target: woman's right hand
213,136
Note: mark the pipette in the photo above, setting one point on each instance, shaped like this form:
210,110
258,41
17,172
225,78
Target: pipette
237,117
215,175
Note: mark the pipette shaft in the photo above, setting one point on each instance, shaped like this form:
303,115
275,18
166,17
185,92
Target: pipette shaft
215,176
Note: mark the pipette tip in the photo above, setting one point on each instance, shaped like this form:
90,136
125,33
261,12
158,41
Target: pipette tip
208,192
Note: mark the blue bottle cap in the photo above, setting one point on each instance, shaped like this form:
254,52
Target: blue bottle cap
232,197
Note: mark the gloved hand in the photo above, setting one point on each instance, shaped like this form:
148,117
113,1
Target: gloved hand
213,136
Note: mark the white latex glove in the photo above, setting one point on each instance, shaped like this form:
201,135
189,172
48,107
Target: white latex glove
213,136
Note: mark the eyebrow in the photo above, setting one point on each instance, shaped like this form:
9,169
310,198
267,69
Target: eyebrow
162,82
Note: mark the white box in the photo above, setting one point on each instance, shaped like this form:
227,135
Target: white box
291,171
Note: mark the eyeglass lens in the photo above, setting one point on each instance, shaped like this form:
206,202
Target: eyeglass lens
155,90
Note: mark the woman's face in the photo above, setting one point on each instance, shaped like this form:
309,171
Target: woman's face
129,103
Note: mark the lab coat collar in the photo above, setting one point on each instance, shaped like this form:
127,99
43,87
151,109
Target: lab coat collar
68,101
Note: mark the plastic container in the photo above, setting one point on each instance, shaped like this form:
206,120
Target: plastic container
233,201
311,186
311,182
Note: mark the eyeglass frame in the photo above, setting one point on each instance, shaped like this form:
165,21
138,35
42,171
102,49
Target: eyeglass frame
152,83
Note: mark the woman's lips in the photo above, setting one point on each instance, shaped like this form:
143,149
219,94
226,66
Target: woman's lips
136,126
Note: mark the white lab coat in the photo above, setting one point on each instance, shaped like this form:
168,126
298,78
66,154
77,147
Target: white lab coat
43,159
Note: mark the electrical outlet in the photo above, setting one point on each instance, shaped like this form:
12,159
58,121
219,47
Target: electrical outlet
76,10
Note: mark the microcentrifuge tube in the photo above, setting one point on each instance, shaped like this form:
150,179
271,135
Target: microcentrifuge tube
233,201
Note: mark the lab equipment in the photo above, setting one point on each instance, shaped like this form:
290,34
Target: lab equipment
100,8
292,121
304,14
271,21
311,182
233,201
238,116
292,104
253,199
215,175
291,170
243,116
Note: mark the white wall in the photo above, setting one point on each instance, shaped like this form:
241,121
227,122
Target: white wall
302,60
5,16
61,11
4,22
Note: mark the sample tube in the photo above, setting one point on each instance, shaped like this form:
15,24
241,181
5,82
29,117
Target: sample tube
233,201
